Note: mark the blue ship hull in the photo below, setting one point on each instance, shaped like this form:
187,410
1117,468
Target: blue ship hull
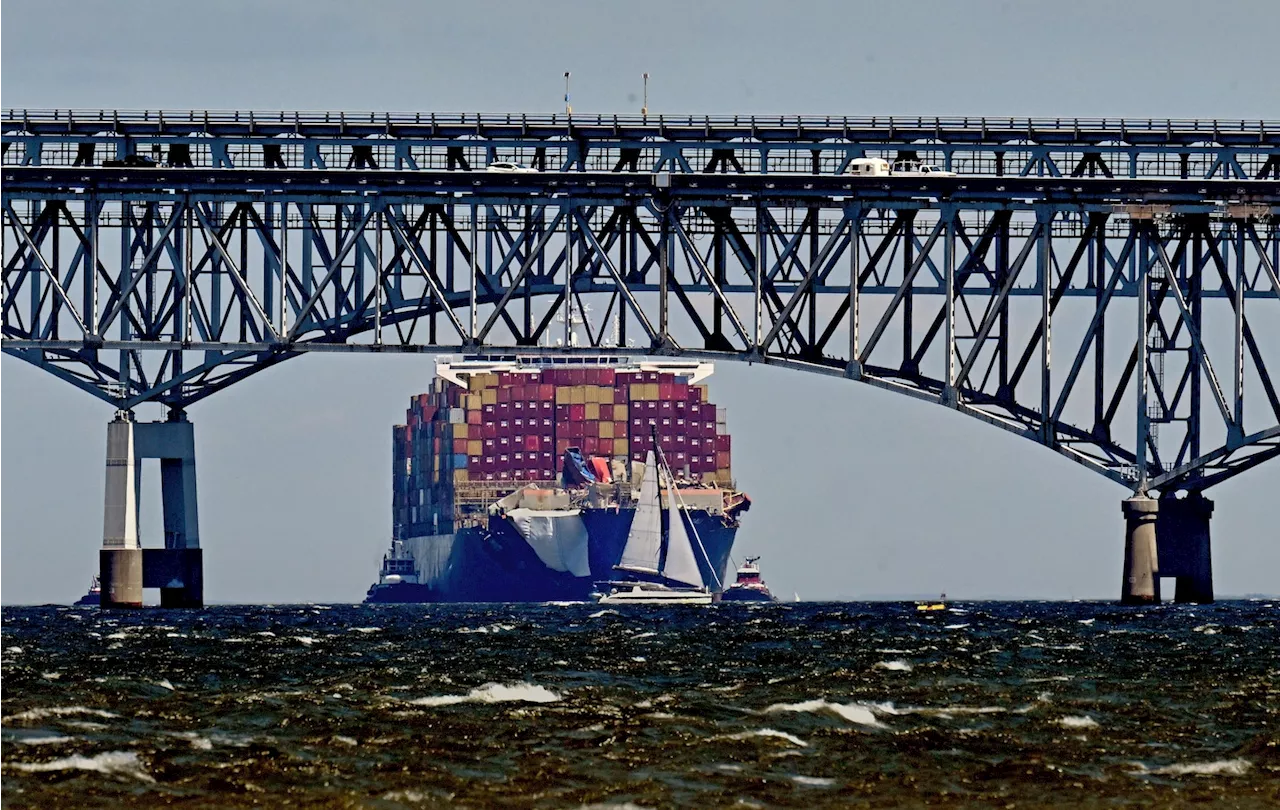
496,564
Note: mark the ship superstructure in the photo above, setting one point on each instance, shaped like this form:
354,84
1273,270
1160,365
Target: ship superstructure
516,478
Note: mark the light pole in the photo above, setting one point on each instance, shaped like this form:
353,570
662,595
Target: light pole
567,109
645,109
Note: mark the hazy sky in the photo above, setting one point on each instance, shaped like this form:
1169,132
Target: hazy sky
858,492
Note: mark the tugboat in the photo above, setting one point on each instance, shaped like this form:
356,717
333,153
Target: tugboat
398,579
94,596
749,587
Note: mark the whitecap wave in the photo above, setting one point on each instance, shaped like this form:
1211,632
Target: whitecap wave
1221,767
124,763
494,693
859,713
491,628
605,612
767,733
47,740
59,711
897,665
813,781
1082,721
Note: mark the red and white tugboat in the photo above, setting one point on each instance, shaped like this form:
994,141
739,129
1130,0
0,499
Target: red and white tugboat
749,587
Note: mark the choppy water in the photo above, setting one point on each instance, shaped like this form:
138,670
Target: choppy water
805,705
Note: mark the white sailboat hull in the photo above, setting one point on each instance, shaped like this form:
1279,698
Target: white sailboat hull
650,594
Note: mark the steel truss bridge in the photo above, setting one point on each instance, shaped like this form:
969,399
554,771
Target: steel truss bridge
1106,288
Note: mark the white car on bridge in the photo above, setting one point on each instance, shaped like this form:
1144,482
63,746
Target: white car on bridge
508,167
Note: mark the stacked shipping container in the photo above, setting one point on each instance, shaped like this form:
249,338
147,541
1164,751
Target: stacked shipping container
514,426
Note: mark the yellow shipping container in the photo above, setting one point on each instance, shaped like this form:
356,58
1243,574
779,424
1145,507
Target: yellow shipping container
606,428
620,447
474,401
459,476
578,395
563,395
651,391
593,412
475,447
593,395
460,431
636,391
489,396
606,396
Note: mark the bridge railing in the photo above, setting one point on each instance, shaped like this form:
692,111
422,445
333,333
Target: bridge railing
85,121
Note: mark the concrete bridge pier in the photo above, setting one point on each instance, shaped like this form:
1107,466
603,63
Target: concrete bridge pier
1168,537
1141,581
125,568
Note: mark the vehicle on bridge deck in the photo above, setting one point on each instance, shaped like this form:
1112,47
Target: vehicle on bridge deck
916,168
508,167
868,167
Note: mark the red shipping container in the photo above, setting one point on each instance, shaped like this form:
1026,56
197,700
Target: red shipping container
474,417
546,393
608,376
666,391
504,395
591,429
489,431
695,394
680,391
532,443
561,446
562,413
722,461
460,446
722,443
606,413
589,445
577,413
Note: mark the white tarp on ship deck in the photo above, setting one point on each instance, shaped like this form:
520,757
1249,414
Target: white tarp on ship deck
559,538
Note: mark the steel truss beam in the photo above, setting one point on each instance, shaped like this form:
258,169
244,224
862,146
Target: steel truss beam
1128,325
1016,147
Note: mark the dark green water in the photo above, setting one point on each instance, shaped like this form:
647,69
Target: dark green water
806,705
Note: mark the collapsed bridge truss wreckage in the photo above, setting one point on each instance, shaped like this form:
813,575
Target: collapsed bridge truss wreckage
1126,319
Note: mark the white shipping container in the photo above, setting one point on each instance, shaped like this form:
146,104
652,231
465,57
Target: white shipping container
457,416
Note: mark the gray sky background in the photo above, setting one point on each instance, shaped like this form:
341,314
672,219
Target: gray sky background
858,492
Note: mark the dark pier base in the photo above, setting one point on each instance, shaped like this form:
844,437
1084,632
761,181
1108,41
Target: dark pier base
1168,537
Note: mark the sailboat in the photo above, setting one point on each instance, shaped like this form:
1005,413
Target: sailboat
677,578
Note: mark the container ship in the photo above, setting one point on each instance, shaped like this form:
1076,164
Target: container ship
515,479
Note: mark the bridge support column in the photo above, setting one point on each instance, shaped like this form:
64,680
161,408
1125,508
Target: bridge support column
1182,540
125,568
1141,581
